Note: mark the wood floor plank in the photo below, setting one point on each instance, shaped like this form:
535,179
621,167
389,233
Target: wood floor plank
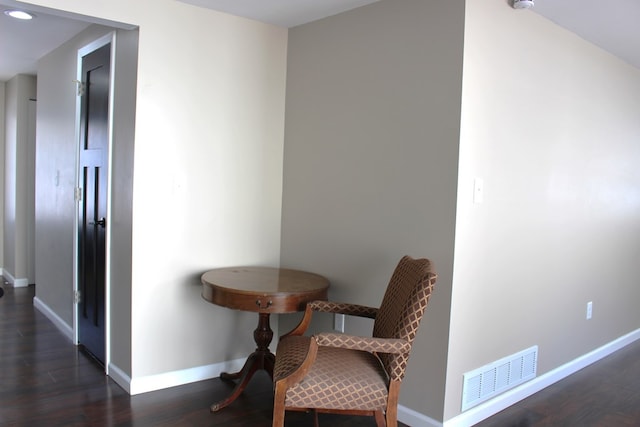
604,394
47,381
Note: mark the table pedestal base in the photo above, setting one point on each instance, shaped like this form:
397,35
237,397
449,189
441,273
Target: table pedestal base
262,358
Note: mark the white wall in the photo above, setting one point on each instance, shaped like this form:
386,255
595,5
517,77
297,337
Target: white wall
371,152
30,193
56,173
56,179
550,123
207,180
2,149
121,207
9,167
19,90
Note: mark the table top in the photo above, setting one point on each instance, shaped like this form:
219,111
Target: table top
263,289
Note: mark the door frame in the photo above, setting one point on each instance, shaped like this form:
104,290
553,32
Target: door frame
109,38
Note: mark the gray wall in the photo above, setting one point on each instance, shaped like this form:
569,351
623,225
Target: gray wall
371,152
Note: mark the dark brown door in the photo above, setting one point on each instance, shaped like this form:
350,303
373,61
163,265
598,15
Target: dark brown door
94,143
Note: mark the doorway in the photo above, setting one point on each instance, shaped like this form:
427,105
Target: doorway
94,141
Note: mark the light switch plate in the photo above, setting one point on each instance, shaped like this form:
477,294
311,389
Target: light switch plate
478,190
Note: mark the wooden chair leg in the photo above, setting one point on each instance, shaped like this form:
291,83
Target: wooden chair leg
278,406
316,423
379,416
392,404
392,417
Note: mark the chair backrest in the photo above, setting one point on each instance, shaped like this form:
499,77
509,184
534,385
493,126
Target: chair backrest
402,308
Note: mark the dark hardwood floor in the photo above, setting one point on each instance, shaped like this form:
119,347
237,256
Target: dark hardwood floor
46,381
604,394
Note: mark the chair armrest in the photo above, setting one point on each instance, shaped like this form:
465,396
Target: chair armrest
344,308
295,358
330,307
372,345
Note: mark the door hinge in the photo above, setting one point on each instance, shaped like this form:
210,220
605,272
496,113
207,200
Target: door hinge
76,297
77,194
80,87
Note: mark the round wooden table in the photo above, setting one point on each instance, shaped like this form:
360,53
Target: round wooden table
263,290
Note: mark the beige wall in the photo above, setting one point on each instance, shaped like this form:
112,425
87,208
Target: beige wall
121,206
550,123
371,152
17,191
207,176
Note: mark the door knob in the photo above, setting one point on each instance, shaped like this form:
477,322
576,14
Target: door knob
102,222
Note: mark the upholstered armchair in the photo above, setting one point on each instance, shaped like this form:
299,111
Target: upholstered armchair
340,373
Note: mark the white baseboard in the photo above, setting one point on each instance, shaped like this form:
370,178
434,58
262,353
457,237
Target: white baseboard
151,382
171,379
120,377
16,283
55,319
503,401
415,419
8,277
20,283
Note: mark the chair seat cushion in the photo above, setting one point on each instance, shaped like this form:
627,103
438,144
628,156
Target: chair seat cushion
339,379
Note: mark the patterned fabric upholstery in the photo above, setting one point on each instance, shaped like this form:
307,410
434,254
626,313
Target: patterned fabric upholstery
344,308
339,379
291,352
402,309
373,345
341,372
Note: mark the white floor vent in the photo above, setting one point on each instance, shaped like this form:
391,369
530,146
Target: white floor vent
484,383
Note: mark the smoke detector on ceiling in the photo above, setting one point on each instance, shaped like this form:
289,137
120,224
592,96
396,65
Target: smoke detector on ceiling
522,4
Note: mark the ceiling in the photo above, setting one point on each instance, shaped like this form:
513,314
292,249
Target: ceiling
22,43
614,25
284,13
611,24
